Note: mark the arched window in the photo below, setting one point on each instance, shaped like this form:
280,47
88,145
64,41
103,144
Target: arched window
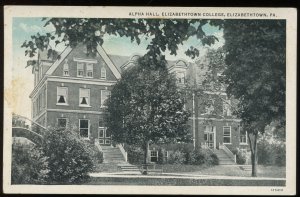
103,73
181,77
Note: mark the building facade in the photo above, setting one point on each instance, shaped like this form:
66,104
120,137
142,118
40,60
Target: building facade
72,90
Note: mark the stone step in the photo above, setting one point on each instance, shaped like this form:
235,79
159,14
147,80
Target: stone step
246,167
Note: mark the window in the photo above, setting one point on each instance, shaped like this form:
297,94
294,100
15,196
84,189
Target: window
89,70
243,137
62,95
84,97
80,69
62,122
181,77
107,134
227,135
153,156
104,95
84,128
66,69
226,108
101,133
103,73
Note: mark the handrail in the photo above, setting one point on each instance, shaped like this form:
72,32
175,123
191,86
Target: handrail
17,115
124,153
228,152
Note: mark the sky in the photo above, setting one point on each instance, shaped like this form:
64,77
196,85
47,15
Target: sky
23,81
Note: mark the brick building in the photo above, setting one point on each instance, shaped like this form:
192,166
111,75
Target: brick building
73,89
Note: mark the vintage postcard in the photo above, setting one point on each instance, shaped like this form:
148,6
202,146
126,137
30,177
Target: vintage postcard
149,100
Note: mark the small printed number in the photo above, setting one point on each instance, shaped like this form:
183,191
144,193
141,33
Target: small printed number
276,189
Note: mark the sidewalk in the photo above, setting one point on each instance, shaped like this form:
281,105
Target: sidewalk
177,175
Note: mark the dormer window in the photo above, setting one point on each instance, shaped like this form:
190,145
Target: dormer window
181,77
103,73
66,68
80,69
226,108
89,70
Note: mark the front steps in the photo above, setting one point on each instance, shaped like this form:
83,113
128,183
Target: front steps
112,155
224,159
129,168
246,167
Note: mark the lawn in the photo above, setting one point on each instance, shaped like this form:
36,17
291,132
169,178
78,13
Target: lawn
224,170
219,170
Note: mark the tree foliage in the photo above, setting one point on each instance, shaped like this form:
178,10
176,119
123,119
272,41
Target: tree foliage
146,107
164,34
255,74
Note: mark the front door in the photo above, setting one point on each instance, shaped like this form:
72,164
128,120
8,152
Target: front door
104,136
209,136
209,139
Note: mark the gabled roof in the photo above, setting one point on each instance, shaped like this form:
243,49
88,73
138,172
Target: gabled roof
113,67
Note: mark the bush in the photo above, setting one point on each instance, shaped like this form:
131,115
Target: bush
70,159
135,154
241,156
269,153
176,157
202,157
280,158
29,165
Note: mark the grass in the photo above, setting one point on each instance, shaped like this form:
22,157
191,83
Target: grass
219,170
106,167
224,170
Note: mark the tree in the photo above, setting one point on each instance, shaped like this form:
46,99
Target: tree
146,107
164,34
255,56
255,74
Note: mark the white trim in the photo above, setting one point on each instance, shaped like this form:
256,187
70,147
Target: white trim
101,128
108,61
227,136
88,128
37,87
44,63
87,81
62,104
92,61
63,55
216,92
40,115
75,111
217,119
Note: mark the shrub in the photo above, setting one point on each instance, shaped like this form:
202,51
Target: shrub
176,157
69,157
29,165
161,156
214,159
135,154
240,156
204,156
271,153
280,158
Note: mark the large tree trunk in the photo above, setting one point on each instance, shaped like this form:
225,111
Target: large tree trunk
146,157
253,148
